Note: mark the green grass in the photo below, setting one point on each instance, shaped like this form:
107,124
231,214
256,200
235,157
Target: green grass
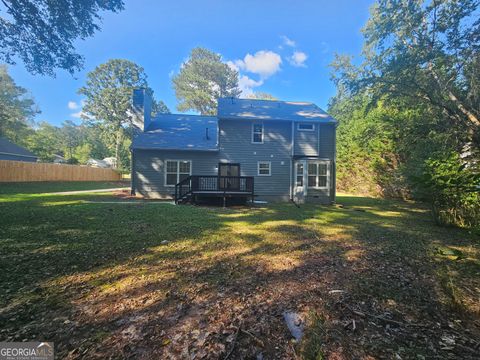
47,187
147,277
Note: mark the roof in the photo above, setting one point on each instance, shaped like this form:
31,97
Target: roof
252,109
179,132
8,147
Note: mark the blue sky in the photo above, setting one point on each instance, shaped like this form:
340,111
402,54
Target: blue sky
280,47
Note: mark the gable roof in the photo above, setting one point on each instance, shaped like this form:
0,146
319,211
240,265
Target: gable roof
8,147
252,109
179,132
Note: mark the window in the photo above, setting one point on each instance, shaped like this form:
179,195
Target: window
299,175
305,127
176,171
318,175
257,133
264,168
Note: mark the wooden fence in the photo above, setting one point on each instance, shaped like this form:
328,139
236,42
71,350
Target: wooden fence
13,171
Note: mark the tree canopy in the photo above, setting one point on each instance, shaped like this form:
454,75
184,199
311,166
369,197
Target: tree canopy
424,51
204,78
413,104
17,109
42,33
108,99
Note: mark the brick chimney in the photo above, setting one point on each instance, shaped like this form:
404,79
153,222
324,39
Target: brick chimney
142,108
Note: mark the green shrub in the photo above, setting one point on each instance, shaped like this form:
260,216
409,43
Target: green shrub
452,187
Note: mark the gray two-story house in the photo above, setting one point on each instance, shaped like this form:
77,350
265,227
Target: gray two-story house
269,150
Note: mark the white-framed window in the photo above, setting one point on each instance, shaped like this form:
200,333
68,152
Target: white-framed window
176,171
257,133
305,127
318,174
264,168
299,174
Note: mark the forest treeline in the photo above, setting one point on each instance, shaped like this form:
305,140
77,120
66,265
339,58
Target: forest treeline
409,107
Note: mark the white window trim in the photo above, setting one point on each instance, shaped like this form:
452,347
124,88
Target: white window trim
269,168
303,123
178,170
327,185
263,132
297,175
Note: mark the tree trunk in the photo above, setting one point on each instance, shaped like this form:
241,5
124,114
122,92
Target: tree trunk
117,148
472,118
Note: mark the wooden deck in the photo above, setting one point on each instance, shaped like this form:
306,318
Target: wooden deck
214,186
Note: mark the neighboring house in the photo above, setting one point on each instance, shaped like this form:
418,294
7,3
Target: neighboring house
108,162
280,150
11,151
59,159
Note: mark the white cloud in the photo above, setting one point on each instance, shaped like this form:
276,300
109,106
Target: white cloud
264,63
72,105
298,59
287,41
247,85
77,115
232,65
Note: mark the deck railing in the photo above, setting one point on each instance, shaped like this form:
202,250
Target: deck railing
226,185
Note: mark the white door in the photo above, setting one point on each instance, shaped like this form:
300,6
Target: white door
300,181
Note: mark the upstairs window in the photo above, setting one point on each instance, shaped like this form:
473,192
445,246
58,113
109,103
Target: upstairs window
305,127
318,173
264,168
176,171
257,133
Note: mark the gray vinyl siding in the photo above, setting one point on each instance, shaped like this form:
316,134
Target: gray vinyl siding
326,148
235,142
149,174
235,146
306,142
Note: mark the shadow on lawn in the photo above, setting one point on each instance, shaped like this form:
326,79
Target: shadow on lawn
176,280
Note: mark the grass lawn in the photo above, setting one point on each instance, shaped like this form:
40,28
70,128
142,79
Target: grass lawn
371,279
40,187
